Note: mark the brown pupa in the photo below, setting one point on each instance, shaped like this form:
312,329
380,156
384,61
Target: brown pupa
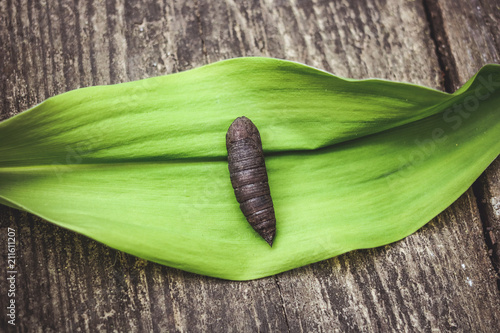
249,177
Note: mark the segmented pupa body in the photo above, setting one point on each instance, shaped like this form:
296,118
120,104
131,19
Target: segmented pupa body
248,173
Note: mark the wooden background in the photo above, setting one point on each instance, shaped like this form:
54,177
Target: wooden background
442,278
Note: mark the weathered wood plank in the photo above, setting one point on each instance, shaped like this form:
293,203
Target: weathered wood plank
66,281
472,30
437,279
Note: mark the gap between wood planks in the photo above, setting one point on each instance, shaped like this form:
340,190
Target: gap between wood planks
493,248
441,44
450,80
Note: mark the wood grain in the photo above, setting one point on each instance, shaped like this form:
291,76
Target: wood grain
438,279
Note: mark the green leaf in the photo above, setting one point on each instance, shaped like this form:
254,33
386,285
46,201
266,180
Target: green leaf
141,166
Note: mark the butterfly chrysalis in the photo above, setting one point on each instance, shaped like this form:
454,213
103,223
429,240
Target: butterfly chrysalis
249,177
